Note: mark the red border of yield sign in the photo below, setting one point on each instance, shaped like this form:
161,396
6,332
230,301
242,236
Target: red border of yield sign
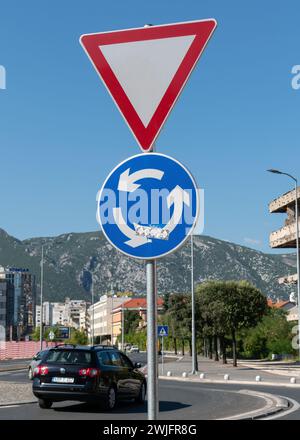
146,136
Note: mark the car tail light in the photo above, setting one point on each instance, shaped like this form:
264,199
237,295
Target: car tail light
41,370
89,372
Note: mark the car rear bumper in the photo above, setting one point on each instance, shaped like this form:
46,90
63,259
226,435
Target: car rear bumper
57,393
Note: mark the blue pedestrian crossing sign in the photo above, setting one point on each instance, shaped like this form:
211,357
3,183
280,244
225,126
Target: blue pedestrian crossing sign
148,205
162,330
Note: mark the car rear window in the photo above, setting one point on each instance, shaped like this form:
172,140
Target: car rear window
75,357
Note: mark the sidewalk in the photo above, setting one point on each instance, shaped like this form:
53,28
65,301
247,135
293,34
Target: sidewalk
244,372
290,369
12,393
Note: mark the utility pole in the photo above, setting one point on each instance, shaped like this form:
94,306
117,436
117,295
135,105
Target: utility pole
93,315
123,325
194,345
42,313
112,318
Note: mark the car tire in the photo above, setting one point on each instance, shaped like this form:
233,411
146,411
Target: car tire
30,373
110,401
142,394
45,403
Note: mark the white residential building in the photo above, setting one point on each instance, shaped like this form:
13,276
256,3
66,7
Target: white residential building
66,314
100,315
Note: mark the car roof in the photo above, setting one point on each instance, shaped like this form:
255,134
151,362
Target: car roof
84,347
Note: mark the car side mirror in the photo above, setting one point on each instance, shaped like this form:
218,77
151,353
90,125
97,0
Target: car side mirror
137,365
34,358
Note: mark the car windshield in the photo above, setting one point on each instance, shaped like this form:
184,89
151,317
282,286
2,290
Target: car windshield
73,357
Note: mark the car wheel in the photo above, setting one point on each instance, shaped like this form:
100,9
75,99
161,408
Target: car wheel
142,394
30,374
45,403
111,399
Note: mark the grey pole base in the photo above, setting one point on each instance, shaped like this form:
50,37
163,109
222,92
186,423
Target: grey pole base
152,385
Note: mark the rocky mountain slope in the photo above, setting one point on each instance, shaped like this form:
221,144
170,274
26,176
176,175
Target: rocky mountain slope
73,261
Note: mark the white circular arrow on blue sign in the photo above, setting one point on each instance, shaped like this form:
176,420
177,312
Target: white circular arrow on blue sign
148,205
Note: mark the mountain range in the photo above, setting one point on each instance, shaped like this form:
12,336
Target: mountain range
75,261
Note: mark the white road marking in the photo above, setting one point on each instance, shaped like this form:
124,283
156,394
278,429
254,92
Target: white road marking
294,408
9,406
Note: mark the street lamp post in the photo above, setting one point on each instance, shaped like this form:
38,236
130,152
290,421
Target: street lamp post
112,319
297,245
194,347
93,315
123,326
42,314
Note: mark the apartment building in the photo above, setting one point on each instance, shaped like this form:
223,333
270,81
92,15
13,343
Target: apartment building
20,302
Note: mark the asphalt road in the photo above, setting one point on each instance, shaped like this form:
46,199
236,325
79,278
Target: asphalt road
13,363
14,376
178,401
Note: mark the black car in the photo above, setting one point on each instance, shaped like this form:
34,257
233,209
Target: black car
35,361
96,374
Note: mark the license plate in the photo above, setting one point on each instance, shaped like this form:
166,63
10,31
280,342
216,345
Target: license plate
63,379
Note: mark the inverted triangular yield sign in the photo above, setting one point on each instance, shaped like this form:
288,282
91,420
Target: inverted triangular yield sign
145,70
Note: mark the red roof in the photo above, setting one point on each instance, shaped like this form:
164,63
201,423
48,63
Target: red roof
136,303
278,304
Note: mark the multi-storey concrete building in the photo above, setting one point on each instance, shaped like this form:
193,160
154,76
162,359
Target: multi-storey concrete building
73,309
101,318
65,314
285,237
20,302
3,292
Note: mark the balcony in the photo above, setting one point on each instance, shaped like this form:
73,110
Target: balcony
284,237
283,202
290,279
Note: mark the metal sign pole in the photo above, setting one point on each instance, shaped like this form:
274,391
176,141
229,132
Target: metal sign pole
162,356
42,314
152,387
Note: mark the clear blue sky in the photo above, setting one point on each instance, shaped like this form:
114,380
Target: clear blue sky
60,133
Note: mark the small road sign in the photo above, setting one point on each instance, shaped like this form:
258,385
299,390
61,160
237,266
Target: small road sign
148,205
162,330
145,70
51,335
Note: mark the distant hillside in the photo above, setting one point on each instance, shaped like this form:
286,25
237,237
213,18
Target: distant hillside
73,260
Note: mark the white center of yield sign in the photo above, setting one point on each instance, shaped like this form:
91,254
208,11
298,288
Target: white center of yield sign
145,69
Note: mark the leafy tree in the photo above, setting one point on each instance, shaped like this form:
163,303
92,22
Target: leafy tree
212,312
228,306
46,331
131,321
245,306
179,318
36,334
272,335
78,337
